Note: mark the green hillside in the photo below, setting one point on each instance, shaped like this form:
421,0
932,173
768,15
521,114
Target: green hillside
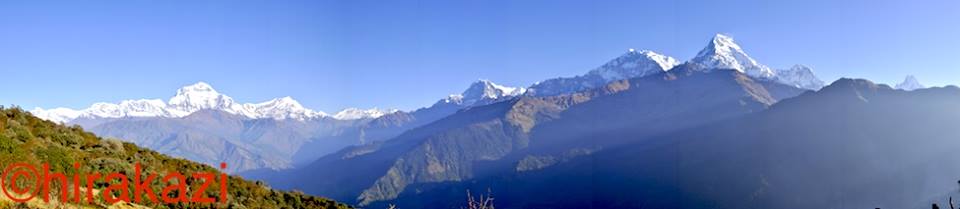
28,139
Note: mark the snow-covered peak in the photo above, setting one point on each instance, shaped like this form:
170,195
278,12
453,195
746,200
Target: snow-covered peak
910,83
634,63
202,96
282,103
59,115
724,53
194,97
144,108
282,108
199,87
666,62
485,90
355,113
482,92
799,76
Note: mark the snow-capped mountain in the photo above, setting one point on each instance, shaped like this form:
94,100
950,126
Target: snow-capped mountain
481,92
724,53
355,113
634,63
281,108
56,114
486,89
200,96
799,76
910,83
126,108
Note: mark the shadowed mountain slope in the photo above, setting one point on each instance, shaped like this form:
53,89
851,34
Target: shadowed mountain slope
853,144
512,135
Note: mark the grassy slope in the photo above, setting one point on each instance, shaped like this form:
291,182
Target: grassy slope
25,138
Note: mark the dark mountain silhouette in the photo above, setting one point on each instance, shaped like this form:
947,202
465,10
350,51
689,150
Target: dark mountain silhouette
533,133
853,144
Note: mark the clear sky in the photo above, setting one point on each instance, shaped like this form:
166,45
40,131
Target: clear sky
331,55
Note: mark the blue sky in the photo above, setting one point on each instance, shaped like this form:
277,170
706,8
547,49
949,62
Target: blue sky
331,55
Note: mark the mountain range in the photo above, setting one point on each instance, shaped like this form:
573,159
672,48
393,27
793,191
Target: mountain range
203,125
640,92
844,146
643,130
201,96
478,141
699,135
722,52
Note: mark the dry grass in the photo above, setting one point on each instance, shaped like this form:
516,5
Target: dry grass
482,202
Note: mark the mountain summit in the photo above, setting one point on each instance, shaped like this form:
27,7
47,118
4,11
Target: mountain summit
799,76
282,108
633,64
196,97
357,113
483,91
200,96
910,83
722,52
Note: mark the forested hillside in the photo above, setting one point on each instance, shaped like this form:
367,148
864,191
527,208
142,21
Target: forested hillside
28,139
